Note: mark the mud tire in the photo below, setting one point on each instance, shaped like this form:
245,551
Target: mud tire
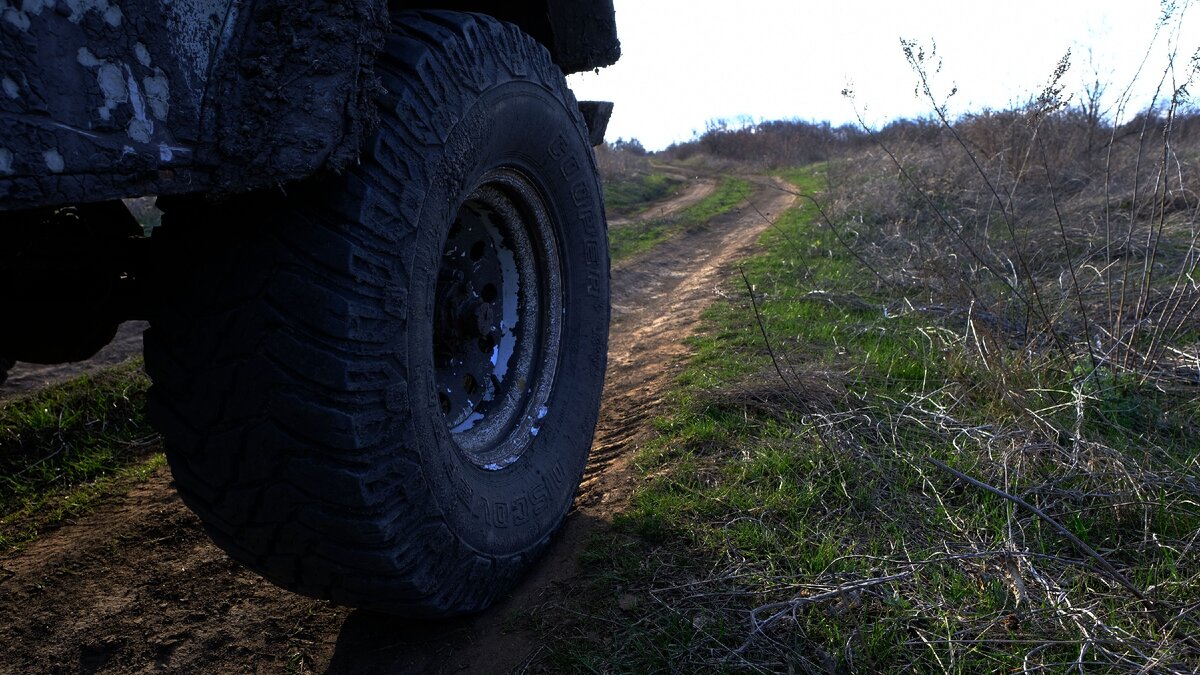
293,362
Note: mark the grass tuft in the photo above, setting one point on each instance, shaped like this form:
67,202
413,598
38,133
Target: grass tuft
638,236
895,484
67,447
627,197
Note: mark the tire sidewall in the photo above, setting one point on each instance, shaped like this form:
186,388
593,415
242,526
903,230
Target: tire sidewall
515,124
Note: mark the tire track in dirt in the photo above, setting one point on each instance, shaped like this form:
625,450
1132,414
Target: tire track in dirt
657,303
136,587
695,191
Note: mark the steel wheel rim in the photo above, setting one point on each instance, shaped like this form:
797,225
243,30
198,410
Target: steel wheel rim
497,320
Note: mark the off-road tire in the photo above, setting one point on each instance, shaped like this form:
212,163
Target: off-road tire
295,375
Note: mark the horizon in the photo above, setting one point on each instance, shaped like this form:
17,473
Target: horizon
771,61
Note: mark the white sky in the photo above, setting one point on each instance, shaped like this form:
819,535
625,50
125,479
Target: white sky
686,62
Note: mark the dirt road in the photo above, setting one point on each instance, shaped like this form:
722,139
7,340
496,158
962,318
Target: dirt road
694,190
135,587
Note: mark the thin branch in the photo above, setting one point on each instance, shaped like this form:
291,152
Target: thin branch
1079,543
766,340
780,609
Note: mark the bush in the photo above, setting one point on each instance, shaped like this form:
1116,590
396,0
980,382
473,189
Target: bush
771,144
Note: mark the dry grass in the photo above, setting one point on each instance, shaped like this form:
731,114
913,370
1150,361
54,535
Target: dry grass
1060,230
861,475
620,163
951,426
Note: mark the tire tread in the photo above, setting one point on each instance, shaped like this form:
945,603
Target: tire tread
301,480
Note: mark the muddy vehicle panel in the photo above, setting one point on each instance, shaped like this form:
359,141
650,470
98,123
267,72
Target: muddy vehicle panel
379,297
121,99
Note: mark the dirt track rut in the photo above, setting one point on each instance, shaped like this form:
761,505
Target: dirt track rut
696,189
135,587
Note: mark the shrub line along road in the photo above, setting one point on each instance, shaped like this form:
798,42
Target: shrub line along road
136,586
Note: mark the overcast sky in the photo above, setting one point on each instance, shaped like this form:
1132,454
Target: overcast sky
686,62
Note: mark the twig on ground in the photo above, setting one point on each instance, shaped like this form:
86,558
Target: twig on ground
781,609
766,340
1113,572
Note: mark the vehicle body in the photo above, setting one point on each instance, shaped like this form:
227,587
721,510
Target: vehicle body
107,99
378,121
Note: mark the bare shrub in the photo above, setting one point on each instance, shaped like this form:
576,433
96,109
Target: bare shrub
1089,246
770,144
621,160
1048,259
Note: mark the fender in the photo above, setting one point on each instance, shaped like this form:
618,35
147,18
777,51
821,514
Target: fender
107,99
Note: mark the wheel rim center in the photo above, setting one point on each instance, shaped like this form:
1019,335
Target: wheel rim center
497,320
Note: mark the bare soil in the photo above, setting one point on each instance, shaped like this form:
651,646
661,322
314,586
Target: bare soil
695,190
136,587
28,377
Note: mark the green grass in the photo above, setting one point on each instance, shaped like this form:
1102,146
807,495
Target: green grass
636,237
629,240
729,194
69,446
630,196
808,500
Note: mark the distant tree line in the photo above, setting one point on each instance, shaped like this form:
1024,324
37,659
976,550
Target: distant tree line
797,142
776,143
